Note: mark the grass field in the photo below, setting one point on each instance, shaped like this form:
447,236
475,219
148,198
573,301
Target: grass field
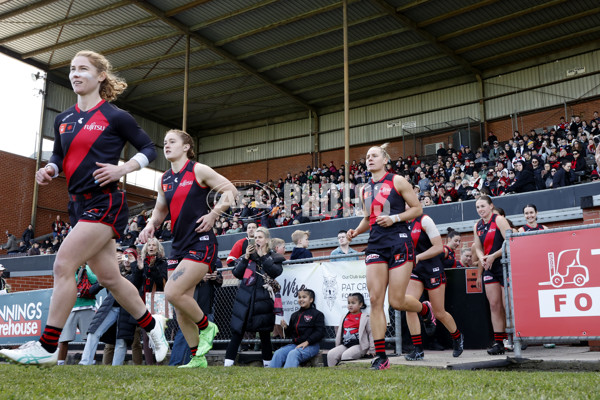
344,382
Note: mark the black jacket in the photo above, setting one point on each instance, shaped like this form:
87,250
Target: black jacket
561,178
524,182
306,325
126,324
253,305
155,275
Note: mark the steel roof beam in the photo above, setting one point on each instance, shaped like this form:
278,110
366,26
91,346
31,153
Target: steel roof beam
88,37
124,47
538,45
283,22
64,21
180,71
390,83
454,13
412,25
25,9
214,122
310,36
220,52
332,50
366,74
231,14
499,20
527,31
413,4
191,85
185,7
164,57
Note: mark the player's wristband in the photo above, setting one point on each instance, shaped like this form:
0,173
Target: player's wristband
396,218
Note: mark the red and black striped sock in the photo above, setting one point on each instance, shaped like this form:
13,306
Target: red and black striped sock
146,322
417,340
203,323
456,334
380,348
49,338
193,350
499,337
424,310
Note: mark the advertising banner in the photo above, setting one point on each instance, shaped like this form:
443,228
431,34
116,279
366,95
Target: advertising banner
23,315
332,283
555,280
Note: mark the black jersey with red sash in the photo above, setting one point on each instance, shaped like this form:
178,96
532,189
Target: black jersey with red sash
83,138
382,198
528,228
419,237
490,237
187,201
449,258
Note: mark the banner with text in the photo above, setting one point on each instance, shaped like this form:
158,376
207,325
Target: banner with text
23,315
556,283
332,283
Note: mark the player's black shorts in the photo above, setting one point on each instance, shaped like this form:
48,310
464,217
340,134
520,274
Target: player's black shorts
106,207
431,274
204,255
494,274
394,257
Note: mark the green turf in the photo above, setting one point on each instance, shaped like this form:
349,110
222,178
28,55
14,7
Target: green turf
348,382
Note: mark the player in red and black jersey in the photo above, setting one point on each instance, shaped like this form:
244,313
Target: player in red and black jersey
530,212
489,234
428,273
184,194
89,138
449,256
389,254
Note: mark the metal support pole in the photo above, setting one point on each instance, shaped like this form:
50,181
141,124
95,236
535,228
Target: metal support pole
346,103
398,327
38,158
186,81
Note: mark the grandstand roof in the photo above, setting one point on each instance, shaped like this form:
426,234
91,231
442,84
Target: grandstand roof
253,59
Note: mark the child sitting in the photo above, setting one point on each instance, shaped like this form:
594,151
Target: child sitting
353,339
306,329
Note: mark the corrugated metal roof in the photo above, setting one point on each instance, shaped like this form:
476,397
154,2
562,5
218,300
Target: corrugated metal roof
292,49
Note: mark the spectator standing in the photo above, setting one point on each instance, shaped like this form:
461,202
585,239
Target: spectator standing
28,235
300,239
524,180
240,246
253,308
343,248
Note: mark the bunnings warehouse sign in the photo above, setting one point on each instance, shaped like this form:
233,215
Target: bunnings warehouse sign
23,315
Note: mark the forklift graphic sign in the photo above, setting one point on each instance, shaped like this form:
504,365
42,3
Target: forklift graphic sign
555,280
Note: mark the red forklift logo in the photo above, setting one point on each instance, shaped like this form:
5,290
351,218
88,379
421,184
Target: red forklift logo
567,270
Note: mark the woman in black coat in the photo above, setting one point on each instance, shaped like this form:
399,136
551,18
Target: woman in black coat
524,179
253,306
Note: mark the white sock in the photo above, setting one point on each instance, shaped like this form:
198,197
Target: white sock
60,362
266,363
228,363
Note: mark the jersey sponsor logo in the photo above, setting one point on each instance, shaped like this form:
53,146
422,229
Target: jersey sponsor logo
403,235
66,128
175,180
167,187
436,269
487,278
205,237
372,257
172,262
185,183
80,121
95,126
434,281
385,190
308,318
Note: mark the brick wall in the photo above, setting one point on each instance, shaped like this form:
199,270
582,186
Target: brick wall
16,186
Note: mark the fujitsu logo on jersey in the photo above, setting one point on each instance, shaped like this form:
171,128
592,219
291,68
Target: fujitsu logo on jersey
94,127
185,183
385,190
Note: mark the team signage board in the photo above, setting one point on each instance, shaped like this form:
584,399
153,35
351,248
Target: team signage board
555,280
